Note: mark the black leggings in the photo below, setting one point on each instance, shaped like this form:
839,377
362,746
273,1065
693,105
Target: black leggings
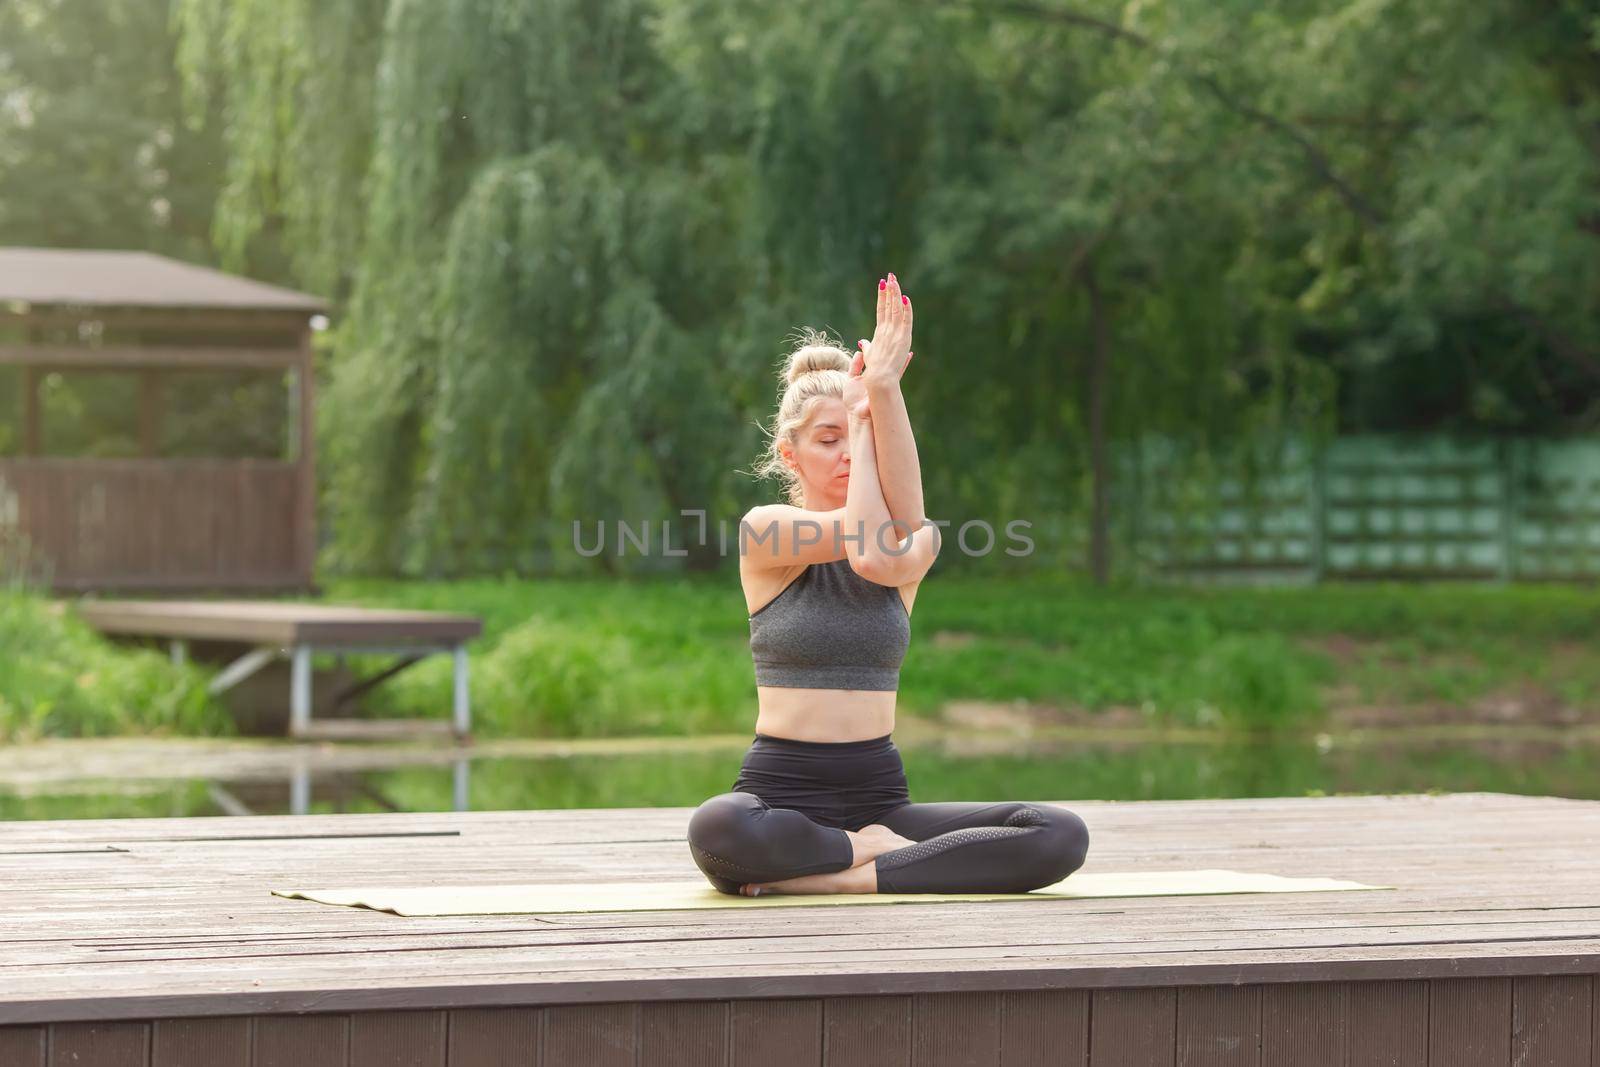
793,801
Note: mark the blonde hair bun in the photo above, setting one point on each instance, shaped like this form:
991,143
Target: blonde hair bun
815,357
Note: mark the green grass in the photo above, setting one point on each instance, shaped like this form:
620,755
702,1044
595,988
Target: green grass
60,679
575,658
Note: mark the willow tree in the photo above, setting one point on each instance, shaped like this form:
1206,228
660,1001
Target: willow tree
572,235
579,247
541,275
95,151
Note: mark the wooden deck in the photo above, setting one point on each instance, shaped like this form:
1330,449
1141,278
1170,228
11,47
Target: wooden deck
157,943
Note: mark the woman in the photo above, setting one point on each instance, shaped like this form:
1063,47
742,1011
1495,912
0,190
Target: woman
821,803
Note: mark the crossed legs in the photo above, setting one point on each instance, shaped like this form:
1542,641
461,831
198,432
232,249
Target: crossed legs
739,840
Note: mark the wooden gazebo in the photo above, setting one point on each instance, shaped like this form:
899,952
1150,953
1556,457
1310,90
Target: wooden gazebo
141,518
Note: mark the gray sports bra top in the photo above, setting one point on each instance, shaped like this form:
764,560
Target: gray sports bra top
830,628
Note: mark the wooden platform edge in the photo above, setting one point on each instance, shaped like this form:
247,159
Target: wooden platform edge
769,987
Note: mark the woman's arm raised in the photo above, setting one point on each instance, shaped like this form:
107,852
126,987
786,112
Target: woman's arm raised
899,470
889,552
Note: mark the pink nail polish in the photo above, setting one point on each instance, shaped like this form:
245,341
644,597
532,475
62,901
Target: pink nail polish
905,300
882,284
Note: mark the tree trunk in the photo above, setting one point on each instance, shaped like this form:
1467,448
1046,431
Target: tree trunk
1099,385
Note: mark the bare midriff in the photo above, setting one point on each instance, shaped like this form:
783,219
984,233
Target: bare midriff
824,714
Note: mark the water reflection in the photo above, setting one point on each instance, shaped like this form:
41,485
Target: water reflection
957,768
301,783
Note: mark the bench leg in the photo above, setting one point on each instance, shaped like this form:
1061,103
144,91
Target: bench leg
463,708
300,691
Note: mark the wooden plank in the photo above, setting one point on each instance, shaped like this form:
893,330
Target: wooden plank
32,413
1044,1028
150,582
180,924
223,1042
496,1037
562,948
866,1031
23,1046
215,324
956,1029
100,1044
597,1035
305,507
1469,1022
776,1033
126,357
1219,1026
1388,1024
302,1041
690,1033
579,981
1304,1024
398,1039
375,729
537,955
1552,1021
151,403
150,521
1554,1026
1133,1027
275,622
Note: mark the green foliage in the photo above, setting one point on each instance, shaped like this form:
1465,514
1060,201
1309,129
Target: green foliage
1255,683
295,80
568,237
94,149
60,679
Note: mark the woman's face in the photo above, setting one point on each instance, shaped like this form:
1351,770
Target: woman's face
821,455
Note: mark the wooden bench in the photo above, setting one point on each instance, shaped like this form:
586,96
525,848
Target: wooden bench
282,629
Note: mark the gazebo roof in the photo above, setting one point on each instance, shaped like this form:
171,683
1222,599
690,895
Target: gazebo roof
98,278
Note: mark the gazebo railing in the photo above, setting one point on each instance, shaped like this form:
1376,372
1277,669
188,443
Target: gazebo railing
159,523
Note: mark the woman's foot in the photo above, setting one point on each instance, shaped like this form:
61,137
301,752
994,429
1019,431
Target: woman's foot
866,845
870,842
862,879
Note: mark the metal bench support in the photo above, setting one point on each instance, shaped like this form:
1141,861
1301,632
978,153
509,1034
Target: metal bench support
242,668
300,681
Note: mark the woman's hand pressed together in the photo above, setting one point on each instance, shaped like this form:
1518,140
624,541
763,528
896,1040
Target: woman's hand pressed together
889,351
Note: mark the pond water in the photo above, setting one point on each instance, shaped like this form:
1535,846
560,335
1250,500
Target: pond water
1558,763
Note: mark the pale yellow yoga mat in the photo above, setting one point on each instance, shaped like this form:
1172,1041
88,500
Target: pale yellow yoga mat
684,896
